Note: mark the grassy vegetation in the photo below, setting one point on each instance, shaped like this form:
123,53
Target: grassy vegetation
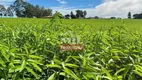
130,23
29,49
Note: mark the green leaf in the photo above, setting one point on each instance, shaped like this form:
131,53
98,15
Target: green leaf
106,72
50,51
52,77
84,61
17,68
34,61
25,47
37,67
122,69
2,62
106,77
23,66
53,66
16,77
127,68
17,61
71,65
138,70
57,61
63,64
35,57
4,54
71,73
32,72
68,59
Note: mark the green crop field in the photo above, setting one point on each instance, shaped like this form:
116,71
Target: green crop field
29,49
130,23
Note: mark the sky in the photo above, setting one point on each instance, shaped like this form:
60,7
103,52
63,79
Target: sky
101,8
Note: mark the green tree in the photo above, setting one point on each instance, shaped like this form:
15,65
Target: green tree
10,11
25,9
67,16
72,15
2,10
19,7
129,15
96,17
47,12
29,10
137,16
42,12
81,14
84,13
37,11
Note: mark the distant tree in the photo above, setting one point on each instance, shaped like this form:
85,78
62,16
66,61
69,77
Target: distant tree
10,11
72,15
96,17
79,14
67,16
1,14
19,7
119,18
29,10
2,10
84,14
47,12
25,9
113,18
37,11
137,16
42,11
129,15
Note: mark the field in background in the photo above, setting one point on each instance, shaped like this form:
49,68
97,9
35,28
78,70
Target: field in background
132,24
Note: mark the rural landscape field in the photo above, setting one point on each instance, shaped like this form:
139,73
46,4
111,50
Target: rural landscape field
30,46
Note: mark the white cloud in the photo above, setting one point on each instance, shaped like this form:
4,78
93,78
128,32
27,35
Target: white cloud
108,0
108,8
6,2
118,8
62,2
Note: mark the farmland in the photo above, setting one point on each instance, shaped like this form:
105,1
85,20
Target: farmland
29,49
132,23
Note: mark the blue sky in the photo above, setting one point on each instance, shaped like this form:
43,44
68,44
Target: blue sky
67,3
101,8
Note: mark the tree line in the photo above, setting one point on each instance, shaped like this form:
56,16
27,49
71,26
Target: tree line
24,9
135,16
21,8
6,12
79,14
